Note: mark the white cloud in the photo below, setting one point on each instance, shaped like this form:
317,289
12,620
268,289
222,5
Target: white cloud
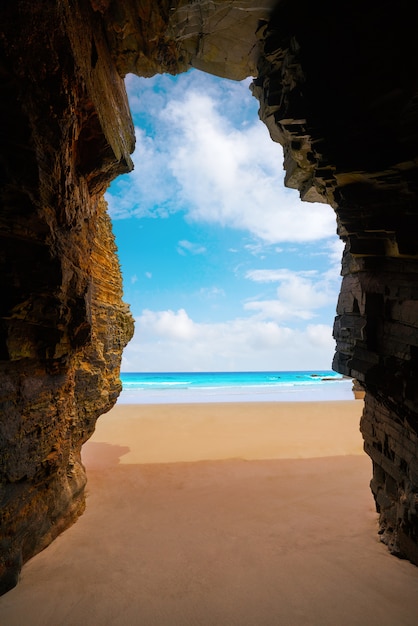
277,275
200,153
335,247
299,293
278,310
150,189
318,335
233,176
185,246
197,160
211,292
172,341
256,249
168,325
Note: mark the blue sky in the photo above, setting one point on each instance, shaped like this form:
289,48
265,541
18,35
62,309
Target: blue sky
224,268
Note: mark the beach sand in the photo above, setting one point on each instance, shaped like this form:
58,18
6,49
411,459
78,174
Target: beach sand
253,514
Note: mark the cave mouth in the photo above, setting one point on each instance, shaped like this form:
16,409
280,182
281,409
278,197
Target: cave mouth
339,94
211,244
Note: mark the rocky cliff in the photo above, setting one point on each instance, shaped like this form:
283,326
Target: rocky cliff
338,88
66,132
337,84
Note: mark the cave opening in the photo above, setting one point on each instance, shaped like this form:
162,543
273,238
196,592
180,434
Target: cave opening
224,268
339,94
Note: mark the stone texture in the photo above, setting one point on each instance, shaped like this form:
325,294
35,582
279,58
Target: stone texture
217,36
66,132
337,85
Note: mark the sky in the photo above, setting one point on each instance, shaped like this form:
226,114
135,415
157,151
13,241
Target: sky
223,267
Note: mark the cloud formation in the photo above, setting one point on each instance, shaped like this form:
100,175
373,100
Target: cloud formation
172,341
232,176
258,297
207,160
299,293
184,247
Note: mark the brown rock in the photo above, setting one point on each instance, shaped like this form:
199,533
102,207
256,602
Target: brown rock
64,326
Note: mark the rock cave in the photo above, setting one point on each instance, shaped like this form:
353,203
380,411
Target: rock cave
338,88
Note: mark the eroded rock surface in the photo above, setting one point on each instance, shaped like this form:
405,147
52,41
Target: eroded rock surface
338,88
337,84
66,132
217,36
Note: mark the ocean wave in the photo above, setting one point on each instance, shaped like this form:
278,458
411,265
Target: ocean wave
157,384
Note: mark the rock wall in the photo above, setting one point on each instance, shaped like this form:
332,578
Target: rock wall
337,85
66,131
219,37
338,88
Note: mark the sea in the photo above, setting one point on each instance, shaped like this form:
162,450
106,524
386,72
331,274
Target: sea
192,387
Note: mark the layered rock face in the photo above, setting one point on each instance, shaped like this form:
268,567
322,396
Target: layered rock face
66,132
338,88
337,85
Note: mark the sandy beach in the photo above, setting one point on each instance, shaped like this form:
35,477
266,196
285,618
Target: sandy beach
253,514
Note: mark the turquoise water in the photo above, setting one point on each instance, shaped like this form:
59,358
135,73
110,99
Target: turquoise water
172,387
